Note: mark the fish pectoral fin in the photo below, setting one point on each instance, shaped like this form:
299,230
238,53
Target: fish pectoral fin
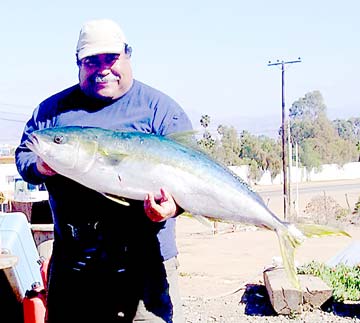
208,222
117,199
112,158
204,221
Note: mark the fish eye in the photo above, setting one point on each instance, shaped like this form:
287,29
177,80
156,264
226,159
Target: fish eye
58,139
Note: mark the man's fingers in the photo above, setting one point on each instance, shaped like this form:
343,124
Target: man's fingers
164,195
150,201
160,208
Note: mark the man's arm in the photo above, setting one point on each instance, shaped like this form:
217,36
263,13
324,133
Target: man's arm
31,168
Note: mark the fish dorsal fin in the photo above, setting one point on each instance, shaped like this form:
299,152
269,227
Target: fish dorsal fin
117,199
186,138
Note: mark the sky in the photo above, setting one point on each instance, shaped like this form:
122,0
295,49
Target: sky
210,56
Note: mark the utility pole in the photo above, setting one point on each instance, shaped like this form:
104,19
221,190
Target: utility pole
297,179
283,133
289,200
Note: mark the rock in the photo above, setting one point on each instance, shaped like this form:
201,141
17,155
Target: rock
286,299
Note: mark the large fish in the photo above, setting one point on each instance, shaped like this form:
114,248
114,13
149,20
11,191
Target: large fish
128,165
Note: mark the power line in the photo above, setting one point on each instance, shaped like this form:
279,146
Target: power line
14,113
23,115
13,120
15,105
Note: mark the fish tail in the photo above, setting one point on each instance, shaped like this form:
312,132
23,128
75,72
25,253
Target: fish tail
317,230
292,236
289,239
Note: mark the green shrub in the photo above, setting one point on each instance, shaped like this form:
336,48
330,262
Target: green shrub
344,280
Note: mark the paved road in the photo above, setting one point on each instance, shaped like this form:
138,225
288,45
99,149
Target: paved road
315,187
345,192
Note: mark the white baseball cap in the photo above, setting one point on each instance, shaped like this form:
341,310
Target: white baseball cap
102,36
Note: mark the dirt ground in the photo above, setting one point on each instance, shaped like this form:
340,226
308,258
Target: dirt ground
213,266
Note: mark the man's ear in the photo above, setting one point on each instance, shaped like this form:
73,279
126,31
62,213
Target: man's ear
128,50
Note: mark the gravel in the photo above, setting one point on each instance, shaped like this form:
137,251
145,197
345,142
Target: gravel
253,305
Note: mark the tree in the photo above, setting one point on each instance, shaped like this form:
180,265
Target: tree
310,107
319,141
205,121
303,114
349,130
206,142
229,146
345,129
262,152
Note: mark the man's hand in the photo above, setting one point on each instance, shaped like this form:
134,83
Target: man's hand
160,209
44,168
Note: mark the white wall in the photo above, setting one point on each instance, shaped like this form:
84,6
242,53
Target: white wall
326,172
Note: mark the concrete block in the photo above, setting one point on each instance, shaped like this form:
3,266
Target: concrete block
286,299
315,291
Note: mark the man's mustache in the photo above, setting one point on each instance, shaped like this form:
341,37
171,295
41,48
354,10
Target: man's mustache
106,78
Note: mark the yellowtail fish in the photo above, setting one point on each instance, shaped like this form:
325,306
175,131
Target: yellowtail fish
129,165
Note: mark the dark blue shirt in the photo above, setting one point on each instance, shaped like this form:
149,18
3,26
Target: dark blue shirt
84,219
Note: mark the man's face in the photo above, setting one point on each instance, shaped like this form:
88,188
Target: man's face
105,76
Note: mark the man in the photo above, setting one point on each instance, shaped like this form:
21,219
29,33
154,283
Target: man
110,263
